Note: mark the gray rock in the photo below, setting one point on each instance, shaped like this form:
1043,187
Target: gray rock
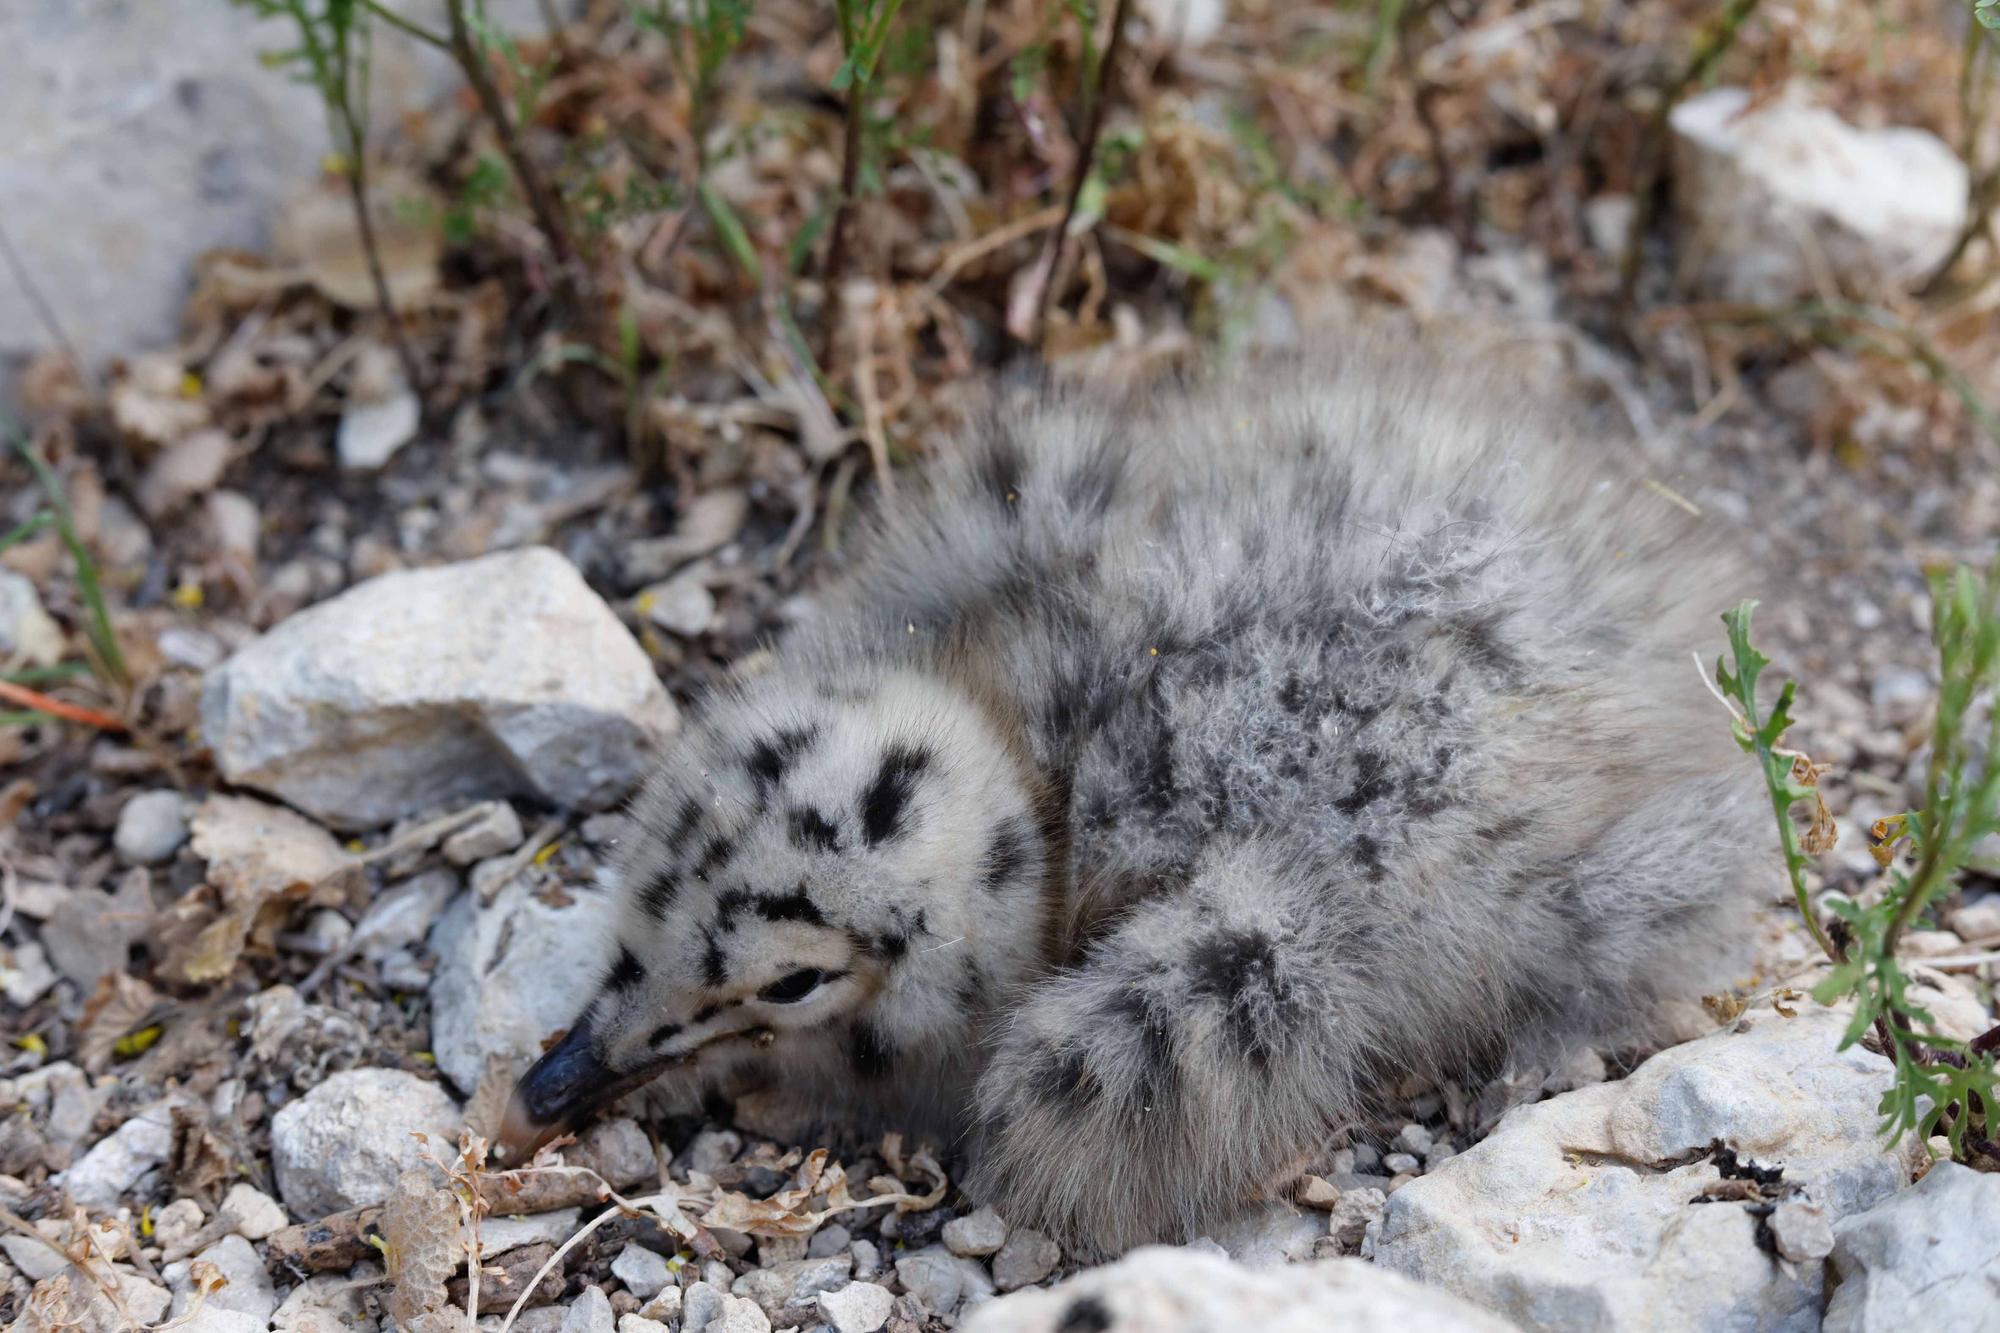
666,1306
858,1307
976,1234
1575,1213
257,1214
151,827
247,1288
787,1292
619,1150
176,1222
1163,1289
403,915
733,1314
1881,207
116,1163
1353,1213
1977,921
330,1303
590,1312
1928,1257
147,134
832,1238
700,1303
1414,1140
644,1272
1401,1164
867,1258
1800,1232
497,1235
35,1260
1026,1258
941,1280
495,677
509,973
1266,1235
497,829
343,1144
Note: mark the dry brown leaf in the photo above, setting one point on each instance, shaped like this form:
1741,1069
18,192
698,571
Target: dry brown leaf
157,401
787,1213
420,1226
318,231
120,1004
263,861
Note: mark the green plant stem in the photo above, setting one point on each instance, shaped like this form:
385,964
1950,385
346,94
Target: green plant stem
1707,54
1086,153
542,202
1384,41
107,659
407,26
860,48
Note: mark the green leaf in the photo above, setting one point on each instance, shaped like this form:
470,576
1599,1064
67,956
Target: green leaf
27,530
729,228
1838,982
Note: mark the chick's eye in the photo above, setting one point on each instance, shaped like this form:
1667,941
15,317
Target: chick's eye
793,986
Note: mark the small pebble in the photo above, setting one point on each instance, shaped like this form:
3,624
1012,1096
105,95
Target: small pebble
867,1258
644,1272
976,1234
665,1307
173,1224
1352,1214
828,1240
1978,921
257,1214
1414,1140
633,1323
1801,1232
858,1307
1026,1258
151,828
1401,1164
1316,1192
700,1303
590,1312
495,831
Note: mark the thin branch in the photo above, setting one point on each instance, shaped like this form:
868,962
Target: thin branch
407,26
542,201
1713,46
852,146
357,190
1086,152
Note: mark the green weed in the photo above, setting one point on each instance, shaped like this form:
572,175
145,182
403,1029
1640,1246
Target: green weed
1941,1085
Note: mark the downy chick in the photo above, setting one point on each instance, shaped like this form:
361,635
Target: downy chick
1175,773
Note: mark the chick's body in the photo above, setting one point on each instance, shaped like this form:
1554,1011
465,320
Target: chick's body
1174,774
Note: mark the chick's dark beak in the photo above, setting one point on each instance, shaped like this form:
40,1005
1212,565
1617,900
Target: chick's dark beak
555,1094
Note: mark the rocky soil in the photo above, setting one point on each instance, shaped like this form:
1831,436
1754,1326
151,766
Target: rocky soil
277,943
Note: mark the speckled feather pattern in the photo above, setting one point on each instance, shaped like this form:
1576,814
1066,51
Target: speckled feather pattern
1176,771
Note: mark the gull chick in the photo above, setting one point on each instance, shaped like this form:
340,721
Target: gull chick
1175,773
